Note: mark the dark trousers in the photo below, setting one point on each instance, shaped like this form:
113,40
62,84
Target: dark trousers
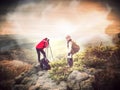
70,62
38,53
70,59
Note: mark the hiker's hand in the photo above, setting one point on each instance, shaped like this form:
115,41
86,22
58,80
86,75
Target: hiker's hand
68,54
48,46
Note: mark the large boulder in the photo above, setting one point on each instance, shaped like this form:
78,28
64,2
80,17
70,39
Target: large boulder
87,84
80,81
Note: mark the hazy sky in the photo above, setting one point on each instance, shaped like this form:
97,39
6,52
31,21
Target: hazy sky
55,18
84,20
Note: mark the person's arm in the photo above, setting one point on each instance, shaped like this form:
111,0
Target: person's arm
70,47
46,44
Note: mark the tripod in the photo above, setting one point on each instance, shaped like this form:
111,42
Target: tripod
47,50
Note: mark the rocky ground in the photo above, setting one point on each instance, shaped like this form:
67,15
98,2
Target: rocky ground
35,79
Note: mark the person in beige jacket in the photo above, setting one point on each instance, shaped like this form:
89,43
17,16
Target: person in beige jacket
72,48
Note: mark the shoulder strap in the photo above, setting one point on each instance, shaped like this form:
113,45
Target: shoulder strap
68,42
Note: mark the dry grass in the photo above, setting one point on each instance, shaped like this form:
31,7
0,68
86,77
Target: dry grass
11,69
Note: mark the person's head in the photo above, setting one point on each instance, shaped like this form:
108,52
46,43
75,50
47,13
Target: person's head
46,39
68,37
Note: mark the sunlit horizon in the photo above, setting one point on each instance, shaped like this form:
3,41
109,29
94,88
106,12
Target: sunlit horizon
35,21
57,20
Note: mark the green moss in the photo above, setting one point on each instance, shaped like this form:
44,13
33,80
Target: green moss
60,71
98,57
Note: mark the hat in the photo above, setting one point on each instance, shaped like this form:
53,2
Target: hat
68,37
46,39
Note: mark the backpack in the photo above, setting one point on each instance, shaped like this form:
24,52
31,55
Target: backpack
44,64
75,48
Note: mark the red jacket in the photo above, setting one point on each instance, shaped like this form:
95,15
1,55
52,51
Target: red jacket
43,44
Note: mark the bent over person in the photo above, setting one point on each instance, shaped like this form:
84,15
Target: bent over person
72,49
40,48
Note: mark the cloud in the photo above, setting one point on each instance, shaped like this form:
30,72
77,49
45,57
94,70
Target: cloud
58,19
55,19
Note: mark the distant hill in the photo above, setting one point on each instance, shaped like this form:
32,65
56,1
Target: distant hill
12,47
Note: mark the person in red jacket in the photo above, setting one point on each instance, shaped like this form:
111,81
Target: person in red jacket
40,48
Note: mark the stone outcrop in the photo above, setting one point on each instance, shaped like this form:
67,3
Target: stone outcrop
36,79
80,81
